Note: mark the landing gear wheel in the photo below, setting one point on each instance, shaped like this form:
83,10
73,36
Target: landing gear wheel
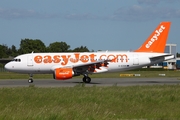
30,81
30,78
86,79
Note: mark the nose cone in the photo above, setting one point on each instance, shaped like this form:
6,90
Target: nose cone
8,66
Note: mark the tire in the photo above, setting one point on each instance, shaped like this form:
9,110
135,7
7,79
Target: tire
30,81
86,79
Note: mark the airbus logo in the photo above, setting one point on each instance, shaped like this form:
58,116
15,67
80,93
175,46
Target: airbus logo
155,36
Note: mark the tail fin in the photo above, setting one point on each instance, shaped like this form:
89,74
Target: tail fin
156,42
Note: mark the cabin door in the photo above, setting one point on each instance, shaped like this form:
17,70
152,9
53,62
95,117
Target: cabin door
135,60
30,60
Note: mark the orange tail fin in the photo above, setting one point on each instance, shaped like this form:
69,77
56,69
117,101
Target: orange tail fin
156,42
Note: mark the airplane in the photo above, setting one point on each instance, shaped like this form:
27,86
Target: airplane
64,66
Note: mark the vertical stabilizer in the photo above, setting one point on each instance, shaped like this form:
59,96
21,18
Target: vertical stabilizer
156,42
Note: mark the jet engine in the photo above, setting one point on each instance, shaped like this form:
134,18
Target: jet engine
63,73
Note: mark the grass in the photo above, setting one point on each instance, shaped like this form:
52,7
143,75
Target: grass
91,103
10,75
144,73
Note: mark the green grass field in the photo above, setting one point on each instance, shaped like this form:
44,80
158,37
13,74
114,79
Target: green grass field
90,103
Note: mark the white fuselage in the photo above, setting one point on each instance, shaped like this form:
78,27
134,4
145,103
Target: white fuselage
35,63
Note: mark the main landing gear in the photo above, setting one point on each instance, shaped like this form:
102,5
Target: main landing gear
86,79
30,78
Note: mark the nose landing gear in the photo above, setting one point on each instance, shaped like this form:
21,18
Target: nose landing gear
30,78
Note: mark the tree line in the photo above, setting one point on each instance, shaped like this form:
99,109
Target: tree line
36,45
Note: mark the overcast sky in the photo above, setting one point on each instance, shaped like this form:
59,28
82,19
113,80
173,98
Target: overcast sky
97,24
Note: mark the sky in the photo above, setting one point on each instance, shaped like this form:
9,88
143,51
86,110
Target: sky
97,24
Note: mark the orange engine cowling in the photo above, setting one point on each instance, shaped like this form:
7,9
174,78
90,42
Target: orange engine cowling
63,73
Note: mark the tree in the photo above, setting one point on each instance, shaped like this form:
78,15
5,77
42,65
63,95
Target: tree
30,45
12,51
4,53
58,47
81,49
177,55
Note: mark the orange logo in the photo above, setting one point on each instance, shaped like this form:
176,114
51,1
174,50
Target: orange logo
155,36
77,57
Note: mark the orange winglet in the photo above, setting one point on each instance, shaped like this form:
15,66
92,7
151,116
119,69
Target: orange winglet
156,42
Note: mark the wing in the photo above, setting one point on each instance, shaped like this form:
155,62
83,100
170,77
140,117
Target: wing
91,67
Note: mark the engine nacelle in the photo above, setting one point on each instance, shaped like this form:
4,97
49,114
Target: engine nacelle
63,73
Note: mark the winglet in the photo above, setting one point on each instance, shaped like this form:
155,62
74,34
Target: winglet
156,42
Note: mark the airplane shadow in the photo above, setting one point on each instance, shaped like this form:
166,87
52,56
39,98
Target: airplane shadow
86,83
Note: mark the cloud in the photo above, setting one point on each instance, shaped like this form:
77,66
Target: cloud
21,13
85,16
140,13
26,14
155,2
131,13
149,2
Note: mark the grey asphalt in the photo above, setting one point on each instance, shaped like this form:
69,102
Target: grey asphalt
95,81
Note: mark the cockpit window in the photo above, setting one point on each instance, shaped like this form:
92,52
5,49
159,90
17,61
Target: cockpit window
17,60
